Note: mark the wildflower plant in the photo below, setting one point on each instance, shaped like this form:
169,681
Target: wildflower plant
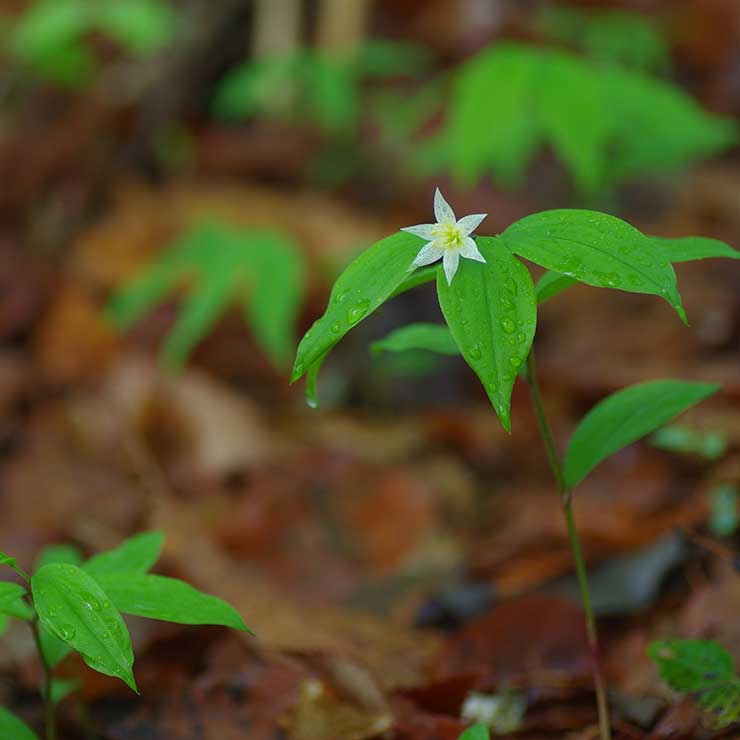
72,605
489,303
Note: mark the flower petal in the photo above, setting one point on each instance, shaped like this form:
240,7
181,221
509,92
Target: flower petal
450,261
469,224
442,210
425,231
469,250
427,254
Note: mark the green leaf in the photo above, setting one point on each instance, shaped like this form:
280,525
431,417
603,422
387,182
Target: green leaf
724,513
9,594
704,668
476,732
62,688
573,118
12,728
222,264
431,337
169,599
275,295
140,26
693,248
53,649
420,276
59,554
49,25
596,249
552,284
137,554
72,606
363,287
12,563
625,417
491,310
493,121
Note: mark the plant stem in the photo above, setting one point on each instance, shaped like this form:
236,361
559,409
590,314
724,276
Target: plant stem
51,724
566,498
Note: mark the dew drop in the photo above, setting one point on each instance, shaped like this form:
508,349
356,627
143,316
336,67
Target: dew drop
508,325
358,311
336,327
475,352
67,632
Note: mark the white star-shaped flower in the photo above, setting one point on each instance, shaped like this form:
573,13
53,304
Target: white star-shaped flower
449,239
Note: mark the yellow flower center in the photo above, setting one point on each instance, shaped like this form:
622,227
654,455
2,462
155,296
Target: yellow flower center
448,235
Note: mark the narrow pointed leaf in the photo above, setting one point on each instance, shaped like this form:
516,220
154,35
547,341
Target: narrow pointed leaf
12,563
312,380
137,554
73,607
422,276
691,248
12,728
169,599
431,337
625,417
491,310
363,286
596,249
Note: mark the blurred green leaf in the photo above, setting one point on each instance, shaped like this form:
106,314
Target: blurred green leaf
168,599
140,26
623,418
12,728
704,668
58,554
137,554
222,265
74,609
688,441
606,124
9,593
693,248
430,337
724,515
614,37
476,732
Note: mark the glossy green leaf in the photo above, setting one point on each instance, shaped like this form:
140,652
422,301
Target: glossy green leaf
18,609
431,337
137,554
9,594
491,310
12,728
625,417
701,667
691,248
12,563
476,732
72,606
364,285
59,554
596,249
168,599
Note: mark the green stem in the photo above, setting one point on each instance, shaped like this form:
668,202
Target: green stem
566,498
51,724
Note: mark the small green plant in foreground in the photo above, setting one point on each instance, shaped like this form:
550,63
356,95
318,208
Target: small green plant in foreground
220,264
75,605
489,303
703,668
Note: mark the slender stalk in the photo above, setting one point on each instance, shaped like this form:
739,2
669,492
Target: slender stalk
51,723
566,498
